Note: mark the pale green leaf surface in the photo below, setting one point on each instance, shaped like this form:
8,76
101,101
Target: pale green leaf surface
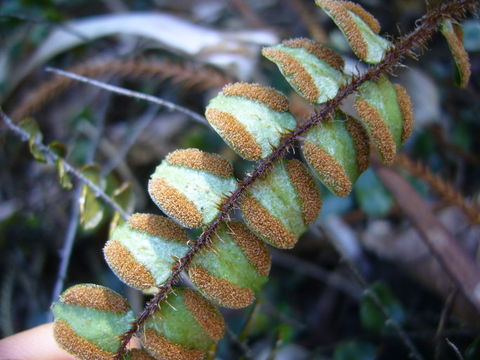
204,189
229,262
63,176
382,96
91,208
326,78
267,126
277,194
31,126
334,138
174,321
102,328
153,252
125,198
376,44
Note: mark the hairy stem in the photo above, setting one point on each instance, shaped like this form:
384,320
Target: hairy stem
404,46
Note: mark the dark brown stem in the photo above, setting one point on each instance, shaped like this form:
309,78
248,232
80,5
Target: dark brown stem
404,46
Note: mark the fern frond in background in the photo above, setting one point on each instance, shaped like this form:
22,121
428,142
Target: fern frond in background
228,262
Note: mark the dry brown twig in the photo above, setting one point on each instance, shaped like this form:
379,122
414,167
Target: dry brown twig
317,32
442,187
453,259
188,75
130,93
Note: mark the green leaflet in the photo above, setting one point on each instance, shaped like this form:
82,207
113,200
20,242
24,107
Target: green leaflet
453,33
143,251
123,196
186,325
99,327
31,126
190,184
60,150
337,151
65,180
314,71
381,114
89,320
235,268
252,119
280,206
359,27
91,208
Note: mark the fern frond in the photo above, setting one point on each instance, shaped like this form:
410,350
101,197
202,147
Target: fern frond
186,74
393,56
444,188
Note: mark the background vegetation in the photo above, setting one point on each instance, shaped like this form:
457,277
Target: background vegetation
315,304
